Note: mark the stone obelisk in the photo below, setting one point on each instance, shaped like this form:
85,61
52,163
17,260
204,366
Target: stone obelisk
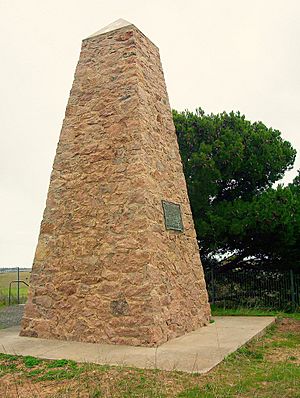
117,259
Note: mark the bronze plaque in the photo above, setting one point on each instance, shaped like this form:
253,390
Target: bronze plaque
172,215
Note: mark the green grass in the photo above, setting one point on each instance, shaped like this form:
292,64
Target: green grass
242,311
61,363
264,368
31,362
59,374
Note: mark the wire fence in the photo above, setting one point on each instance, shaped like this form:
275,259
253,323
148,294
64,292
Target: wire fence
249,288
254,289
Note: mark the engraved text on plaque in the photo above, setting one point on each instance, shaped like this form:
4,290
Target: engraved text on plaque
172,214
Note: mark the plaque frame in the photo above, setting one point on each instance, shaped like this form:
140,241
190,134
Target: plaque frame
168,222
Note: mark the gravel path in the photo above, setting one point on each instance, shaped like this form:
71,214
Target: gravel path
11,316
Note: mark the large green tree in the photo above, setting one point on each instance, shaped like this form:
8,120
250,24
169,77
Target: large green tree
230,166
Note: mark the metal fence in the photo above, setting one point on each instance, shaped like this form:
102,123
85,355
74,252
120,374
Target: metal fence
254,289
14,285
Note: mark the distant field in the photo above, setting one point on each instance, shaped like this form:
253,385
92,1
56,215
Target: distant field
5,279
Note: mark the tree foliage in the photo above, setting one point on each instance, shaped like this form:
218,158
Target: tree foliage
230,166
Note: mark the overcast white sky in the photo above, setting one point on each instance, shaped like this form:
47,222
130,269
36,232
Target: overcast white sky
218,54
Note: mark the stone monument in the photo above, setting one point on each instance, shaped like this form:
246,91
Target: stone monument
117,259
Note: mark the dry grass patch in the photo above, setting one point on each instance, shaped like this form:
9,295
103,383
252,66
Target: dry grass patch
264,368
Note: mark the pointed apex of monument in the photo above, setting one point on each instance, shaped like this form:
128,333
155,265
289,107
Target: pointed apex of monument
119,23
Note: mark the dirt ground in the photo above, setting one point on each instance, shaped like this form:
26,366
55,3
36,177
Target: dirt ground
11,315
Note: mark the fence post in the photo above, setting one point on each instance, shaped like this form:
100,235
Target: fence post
9,294
18,285
213,291
293,293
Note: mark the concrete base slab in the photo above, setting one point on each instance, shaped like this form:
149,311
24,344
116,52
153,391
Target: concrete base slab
198,351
